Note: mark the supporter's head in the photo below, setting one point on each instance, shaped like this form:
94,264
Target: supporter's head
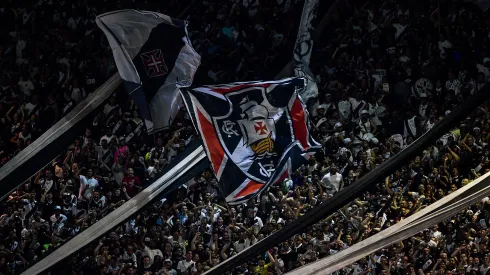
167,263
159,141
90,173
74,167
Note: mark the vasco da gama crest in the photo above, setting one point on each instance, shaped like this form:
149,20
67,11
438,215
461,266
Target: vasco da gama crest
254,133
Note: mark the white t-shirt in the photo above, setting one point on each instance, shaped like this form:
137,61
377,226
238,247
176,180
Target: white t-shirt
62,218
345,108
183,265
333,181
90,184
57,226
29,107
77,94
26,87
46,184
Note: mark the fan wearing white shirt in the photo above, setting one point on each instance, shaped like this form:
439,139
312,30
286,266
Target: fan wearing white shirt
344,107
358,105
333,181
87,186
187,266
26,86
57,219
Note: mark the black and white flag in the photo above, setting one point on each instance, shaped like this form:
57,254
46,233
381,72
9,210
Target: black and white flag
153,55
303,49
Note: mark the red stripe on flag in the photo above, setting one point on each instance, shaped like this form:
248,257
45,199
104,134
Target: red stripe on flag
215,151
239,87
251,188
299,123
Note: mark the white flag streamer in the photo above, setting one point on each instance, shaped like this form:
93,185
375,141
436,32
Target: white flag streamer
437,212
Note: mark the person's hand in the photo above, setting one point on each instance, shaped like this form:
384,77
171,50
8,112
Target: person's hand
439,261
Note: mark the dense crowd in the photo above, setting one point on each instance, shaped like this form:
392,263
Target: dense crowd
52,56
386,75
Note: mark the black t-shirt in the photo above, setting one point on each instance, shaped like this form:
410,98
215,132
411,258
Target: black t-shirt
90,81
424,263
142,269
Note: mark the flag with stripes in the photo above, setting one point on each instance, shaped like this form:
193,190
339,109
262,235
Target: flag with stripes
255,133
153,55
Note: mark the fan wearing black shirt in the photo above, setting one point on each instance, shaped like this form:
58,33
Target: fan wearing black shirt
147,266
424,261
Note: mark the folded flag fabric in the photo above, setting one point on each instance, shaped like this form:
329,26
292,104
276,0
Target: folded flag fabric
153,55
255,134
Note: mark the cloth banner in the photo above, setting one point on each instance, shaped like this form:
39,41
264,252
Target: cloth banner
303,49
153,54
254,133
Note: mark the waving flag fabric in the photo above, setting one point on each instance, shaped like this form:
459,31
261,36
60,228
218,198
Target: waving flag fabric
153,54
254,133
303,49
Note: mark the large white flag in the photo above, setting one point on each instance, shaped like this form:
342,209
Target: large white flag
153,55
303,48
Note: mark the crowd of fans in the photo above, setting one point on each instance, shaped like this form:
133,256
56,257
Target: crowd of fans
386,75
52,56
